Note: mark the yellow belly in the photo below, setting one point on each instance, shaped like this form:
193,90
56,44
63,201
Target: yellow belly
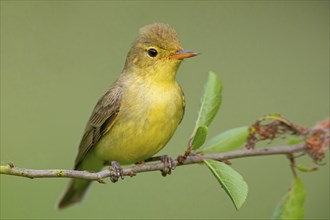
147,119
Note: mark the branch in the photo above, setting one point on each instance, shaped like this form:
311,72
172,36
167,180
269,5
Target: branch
316,143
10,169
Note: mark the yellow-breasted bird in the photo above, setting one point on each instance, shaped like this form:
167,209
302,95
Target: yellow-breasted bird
138,115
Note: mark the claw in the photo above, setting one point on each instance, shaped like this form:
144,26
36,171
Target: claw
118,171
169,165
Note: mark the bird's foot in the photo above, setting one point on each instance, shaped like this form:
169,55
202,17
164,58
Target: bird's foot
117,171
169,165
168,162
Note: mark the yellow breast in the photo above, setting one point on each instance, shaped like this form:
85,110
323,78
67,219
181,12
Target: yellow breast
149,114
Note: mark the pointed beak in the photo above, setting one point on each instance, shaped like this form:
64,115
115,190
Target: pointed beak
183,54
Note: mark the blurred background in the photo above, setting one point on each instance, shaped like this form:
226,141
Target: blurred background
58,58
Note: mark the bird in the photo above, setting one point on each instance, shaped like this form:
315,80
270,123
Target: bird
139,113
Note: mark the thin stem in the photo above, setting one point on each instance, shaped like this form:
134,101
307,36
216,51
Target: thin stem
10,169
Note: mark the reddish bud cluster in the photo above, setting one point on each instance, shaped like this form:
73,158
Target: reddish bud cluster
318,140
270,127
274,126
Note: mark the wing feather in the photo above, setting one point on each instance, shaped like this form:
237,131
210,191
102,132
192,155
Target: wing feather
101,121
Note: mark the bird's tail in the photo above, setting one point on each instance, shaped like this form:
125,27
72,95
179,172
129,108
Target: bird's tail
77,187
74,193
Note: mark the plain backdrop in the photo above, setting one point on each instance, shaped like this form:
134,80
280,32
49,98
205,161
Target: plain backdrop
58,58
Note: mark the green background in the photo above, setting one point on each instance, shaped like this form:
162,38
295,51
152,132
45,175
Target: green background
58,57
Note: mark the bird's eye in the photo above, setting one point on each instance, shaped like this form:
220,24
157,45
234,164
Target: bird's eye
152,52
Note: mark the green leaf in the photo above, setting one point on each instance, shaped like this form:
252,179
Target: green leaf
226,141
306,169
200,137
291,205
210,102
295,140
231,181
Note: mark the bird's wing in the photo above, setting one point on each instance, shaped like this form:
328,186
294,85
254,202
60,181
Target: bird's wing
100,121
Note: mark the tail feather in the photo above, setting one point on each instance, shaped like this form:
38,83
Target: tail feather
77,187
74,193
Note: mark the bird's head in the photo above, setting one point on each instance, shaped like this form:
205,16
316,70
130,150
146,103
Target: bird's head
157,50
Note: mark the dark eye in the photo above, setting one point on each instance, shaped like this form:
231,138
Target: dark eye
152,52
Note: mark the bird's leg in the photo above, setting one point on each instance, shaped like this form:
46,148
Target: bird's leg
168,162
117,171
152,159
169,165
